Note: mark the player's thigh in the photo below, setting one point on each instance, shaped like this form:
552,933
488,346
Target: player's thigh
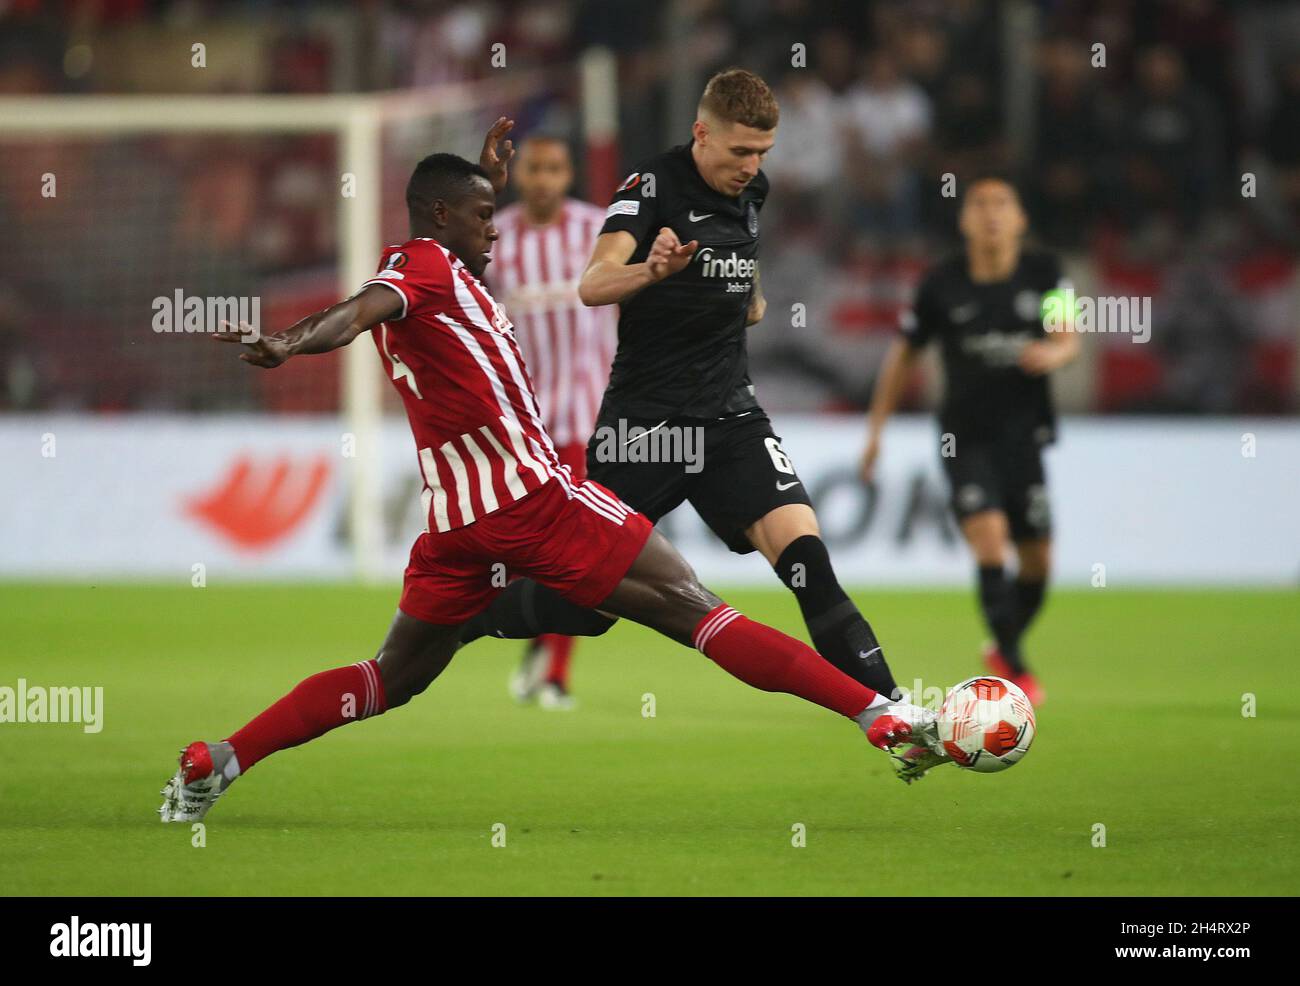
579,541
661,591
413,654
650,488
1025,500
1034,556
747,479
772,533
974,479
986,532
454,575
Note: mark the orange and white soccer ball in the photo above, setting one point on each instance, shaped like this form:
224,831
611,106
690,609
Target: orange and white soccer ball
986,724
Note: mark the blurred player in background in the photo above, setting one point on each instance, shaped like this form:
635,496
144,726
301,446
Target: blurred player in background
984,307
546,239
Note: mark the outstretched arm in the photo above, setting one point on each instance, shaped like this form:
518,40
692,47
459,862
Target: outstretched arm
610,280
322,332
889,388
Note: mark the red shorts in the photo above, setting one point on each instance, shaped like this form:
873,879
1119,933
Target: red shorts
581,544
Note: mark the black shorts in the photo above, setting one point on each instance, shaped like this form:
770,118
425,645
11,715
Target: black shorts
1000,473
732,470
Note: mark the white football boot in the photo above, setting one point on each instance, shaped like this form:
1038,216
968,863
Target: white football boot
205,771
910,735
556,698
526,681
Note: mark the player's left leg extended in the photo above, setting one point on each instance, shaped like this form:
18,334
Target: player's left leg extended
411,657
660,591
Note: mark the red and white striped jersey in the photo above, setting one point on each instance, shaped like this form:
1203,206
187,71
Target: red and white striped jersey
454,361
568,346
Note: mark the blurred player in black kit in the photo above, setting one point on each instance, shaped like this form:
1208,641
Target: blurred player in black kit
985,308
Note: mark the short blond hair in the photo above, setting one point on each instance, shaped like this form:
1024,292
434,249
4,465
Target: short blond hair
737,95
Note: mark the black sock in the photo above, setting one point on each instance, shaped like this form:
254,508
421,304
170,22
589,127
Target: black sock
838,630
998,600
1029,600
526,609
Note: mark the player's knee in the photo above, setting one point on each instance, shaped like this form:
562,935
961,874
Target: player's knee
406,676
1035,562
687,602
594,624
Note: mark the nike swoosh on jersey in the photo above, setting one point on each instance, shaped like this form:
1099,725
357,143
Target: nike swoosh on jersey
695,219
785,486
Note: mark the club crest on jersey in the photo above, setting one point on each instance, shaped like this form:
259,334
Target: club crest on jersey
499,320
751,219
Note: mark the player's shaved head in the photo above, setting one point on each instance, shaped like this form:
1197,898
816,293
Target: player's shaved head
452,201
442,177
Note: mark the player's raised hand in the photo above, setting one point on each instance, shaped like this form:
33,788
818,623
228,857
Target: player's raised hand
267,352
494,160
668,254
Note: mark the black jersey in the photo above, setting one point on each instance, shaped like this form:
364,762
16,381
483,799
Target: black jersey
681,342
981,328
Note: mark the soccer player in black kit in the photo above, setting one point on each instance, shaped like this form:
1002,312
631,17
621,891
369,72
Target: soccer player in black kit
678,253
984,307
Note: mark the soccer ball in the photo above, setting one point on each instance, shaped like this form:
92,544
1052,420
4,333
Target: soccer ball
986,724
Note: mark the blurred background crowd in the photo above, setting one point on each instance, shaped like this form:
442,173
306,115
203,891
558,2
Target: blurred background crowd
1156,143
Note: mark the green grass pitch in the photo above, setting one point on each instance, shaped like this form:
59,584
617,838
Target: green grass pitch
1143,733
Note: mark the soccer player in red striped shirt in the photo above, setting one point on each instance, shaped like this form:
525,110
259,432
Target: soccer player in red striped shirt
495,495
545,240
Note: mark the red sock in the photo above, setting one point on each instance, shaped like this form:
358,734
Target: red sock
561,649
768,659
315,706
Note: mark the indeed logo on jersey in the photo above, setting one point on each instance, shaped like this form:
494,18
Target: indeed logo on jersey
714,265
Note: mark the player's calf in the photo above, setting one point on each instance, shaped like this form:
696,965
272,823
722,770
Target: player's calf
840,632
661,591
413,654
